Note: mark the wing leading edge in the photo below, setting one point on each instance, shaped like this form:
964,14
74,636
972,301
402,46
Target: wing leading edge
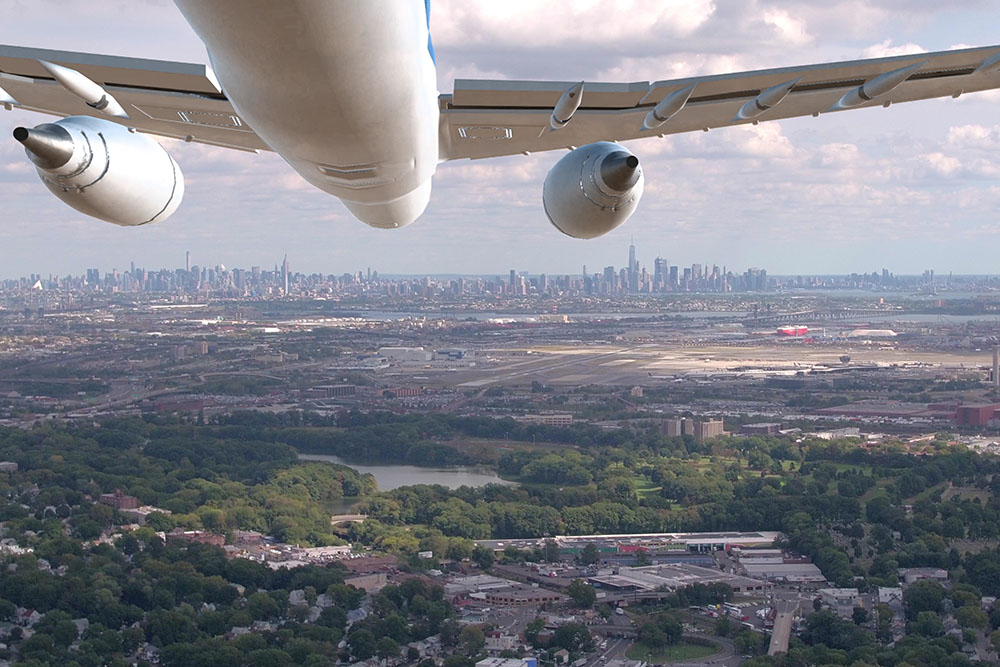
492,118
169,99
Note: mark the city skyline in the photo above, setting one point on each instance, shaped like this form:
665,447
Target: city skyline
912,187
660,276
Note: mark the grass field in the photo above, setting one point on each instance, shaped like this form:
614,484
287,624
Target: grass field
682,651
645,487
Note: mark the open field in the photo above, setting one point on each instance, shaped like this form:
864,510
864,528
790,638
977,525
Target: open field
681,652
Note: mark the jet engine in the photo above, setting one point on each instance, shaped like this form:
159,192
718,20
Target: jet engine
105,170
592,190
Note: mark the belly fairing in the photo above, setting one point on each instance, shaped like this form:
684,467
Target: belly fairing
343,90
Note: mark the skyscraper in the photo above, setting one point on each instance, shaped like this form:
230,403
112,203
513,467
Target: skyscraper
284,273
187,261
633,269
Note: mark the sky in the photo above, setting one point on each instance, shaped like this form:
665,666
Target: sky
910,188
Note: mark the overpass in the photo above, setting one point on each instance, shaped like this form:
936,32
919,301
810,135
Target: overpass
782,631
816,316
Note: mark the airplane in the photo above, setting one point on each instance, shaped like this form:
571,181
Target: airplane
345,91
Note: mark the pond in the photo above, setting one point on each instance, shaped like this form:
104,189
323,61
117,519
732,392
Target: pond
391,477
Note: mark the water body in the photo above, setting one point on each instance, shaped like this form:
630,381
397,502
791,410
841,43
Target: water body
391,477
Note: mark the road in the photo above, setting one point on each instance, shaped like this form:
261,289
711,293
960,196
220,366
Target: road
782,631
615,650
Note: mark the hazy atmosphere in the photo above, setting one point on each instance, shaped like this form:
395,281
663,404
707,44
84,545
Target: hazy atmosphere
910,188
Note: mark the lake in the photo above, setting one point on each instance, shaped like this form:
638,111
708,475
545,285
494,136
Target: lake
391,477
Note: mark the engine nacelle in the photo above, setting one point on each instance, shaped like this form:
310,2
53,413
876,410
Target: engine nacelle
592,190
105,170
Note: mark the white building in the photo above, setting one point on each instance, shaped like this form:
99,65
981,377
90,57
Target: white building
890,596
839,597
915,574
507,662
498,642
405,355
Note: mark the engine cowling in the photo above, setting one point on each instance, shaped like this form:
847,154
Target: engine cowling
105,170
592,190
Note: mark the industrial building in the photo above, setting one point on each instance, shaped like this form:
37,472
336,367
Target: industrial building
762,428
548,419
331,391
405,355
976,414
776,565
789,572
652,542
672,577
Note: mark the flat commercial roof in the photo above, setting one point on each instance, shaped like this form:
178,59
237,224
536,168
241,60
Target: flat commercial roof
799,571
735,538
673,576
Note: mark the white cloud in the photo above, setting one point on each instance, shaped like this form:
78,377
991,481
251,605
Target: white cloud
921,174
887,49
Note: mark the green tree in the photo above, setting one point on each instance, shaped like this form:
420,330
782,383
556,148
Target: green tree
972,617
927,624
362,644
387,648
923,596
582,593
482,557
471,640
747,642
531,632
589,555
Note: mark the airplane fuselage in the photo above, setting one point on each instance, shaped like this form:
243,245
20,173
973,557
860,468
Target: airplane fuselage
344,90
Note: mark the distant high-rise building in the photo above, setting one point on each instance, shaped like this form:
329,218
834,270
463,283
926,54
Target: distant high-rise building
632,272
708,429
659,274
284,273
187,261
671,428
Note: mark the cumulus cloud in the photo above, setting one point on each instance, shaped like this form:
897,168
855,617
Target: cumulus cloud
887,49
915,182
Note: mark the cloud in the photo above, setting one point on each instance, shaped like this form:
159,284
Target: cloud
909,186
887,49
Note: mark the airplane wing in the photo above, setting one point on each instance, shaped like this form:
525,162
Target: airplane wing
492,118
169,99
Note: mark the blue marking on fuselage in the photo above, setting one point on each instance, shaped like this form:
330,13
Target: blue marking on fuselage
430,43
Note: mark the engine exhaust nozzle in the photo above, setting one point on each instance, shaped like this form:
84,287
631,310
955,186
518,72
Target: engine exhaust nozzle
49,146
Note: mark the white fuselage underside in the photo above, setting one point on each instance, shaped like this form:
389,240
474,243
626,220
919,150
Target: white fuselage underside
344,90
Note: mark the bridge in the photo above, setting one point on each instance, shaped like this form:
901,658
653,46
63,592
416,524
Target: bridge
816,316
347,518
782,627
